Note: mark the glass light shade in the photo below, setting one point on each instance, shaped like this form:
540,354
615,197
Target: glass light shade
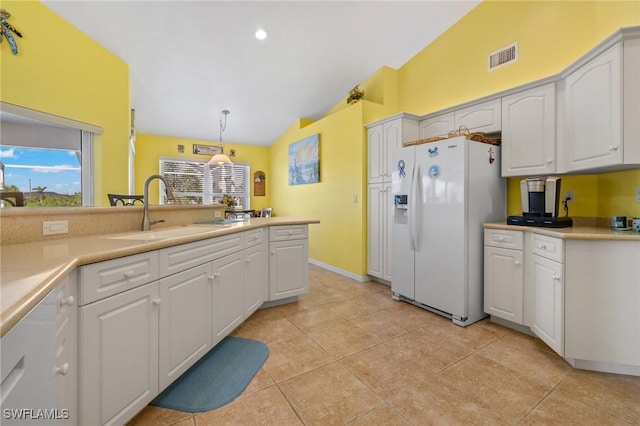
220,159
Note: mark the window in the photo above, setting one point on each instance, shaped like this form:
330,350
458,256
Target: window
50,164
198,182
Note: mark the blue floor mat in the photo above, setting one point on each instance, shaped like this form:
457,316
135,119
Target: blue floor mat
217,378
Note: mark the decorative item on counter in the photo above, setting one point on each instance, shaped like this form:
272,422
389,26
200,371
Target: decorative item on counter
355,95
6,29
228,200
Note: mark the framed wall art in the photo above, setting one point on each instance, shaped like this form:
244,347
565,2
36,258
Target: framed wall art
304,161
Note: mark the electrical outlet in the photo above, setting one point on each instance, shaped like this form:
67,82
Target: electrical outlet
571,195
54,227
638,194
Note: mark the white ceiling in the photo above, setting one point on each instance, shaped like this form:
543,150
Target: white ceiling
189,60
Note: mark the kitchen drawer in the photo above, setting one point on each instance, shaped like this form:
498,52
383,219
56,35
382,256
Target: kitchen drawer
549,247
504,239
254,237
104,279
184,256
288,232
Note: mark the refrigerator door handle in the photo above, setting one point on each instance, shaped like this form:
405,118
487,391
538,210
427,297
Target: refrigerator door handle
413,208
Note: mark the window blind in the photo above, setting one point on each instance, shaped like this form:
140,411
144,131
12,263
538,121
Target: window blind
198,182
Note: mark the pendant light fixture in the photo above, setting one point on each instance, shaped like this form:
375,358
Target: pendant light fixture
221,158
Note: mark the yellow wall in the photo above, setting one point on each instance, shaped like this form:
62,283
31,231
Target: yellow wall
339,240
61,71
149,149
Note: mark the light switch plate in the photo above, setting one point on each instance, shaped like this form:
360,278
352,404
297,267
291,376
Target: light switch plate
54,227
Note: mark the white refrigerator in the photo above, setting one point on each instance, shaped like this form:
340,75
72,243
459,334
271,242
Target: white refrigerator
442,194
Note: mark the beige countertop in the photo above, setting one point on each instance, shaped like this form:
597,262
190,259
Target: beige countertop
29,271
572,233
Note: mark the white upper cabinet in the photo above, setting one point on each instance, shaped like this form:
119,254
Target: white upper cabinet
382,139
602,111
440,125
529,132
485,117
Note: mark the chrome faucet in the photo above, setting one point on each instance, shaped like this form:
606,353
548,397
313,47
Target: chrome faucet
146,220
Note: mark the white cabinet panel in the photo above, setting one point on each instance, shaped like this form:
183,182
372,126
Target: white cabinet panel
440,125
593,113
382,140
602,300
228,295
185,321
485,117
379,231
288,268
118,355
256,278
182,257
529,132
27,362
66,367
547,281
103,279
504,283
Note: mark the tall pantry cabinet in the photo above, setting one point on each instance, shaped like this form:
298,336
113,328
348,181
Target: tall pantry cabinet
383,137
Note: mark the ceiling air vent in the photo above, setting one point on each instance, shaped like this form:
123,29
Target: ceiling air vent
502,57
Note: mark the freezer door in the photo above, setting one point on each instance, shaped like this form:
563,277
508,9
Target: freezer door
402,276
440,271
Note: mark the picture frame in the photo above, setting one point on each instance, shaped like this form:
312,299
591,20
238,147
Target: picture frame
209,150
304,161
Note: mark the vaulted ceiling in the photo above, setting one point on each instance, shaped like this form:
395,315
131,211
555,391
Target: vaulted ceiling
189,60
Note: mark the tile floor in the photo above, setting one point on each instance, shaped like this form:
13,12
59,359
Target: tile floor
346,353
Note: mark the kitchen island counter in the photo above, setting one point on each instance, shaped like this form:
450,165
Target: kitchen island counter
31,270
571,233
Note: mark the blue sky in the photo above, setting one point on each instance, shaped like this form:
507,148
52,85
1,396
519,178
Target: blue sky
57,170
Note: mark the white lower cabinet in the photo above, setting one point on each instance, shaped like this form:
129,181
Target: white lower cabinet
288,261
256,278
118,355
228,295
547,281
504,283
27,362
185,321
379,225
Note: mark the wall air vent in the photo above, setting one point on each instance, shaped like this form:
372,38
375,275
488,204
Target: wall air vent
504,56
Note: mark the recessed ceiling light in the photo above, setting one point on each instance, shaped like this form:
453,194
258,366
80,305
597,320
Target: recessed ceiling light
261,34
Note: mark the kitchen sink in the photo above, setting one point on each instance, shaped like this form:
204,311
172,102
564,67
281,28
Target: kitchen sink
161,233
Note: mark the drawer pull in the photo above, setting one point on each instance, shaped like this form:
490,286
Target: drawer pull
247,261
64,370
129,274
157,301
290,232
273,252
500,238
542,247
67,301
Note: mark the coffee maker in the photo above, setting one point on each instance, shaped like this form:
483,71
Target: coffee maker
540,198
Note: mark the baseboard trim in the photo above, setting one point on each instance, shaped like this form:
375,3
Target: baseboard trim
342,272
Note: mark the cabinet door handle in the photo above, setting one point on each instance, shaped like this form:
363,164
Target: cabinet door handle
129,274
157,301
64,370
273,252
67,301
549,161
613,147
247,261
556,277
517,263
